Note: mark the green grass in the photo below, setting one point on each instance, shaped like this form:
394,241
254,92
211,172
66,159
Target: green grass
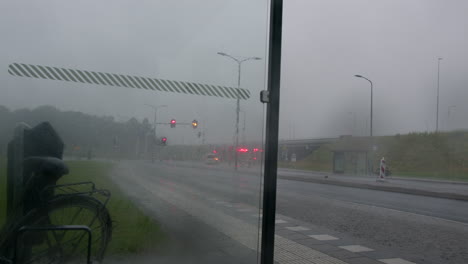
320,160
416,155
133,231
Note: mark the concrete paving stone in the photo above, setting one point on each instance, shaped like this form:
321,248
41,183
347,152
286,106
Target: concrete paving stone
294,248
298,261
356,248
362,260
396,261
284,255
285,232
323,237
310,241
343,254
279,240
297,228
296,236
324,248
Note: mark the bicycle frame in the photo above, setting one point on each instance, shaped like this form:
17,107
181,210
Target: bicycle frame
54,228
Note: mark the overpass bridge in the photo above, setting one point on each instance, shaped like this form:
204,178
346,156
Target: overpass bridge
301,147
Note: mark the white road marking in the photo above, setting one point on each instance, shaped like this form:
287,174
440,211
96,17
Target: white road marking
356,248
396,261
280,221
323,237
297,228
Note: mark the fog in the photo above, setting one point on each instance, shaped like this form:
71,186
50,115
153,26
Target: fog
325,43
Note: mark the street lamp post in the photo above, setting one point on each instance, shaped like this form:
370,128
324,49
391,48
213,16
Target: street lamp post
239,62
371,116
243,128
438,82
371,100
154,131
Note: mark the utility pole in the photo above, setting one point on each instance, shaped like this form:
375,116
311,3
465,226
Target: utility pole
239,62
438,86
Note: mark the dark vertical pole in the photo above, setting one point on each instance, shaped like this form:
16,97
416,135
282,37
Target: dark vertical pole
236,154
371,105
272,127
438,82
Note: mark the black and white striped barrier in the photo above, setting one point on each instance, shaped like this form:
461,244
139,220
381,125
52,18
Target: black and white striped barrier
120,80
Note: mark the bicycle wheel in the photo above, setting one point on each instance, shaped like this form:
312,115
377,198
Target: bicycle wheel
66,246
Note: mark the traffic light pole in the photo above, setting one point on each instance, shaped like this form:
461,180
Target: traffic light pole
154,131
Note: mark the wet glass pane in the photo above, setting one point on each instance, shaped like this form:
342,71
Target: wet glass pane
139,121
373,133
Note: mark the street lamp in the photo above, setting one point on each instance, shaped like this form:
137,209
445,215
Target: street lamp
371,96
239,62
438,82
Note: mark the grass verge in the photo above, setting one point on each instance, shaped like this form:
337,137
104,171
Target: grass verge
133,231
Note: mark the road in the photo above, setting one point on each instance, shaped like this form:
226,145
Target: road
417,228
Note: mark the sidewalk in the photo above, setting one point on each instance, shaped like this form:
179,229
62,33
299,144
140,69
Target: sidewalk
433,188
234,228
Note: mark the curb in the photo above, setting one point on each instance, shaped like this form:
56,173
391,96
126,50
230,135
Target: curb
396,177
445,195
453,196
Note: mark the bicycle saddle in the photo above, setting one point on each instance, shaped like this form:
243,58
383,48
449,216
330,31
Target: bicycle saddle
49,167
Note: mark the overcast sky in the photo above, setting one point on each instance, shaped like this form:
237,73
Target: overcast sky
395,43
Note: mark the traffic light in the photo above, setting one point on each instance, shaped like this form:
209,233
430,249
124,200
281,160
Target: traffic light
163,140
194,123
173,123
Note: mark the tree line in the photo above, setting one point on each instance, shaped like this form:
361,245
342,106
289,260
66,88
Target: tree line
83,134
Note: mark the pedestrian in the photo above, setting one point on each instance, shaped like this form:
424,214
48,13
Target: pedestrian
383,168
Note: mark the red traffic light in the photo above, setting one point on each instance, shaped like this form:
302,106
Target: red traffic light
164,140
173,123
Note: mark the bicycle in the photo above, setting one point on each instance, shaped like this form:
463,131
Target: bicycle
57,223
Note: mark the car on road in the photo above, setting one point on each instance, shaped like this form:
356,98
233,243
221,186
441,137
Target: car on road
211,159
